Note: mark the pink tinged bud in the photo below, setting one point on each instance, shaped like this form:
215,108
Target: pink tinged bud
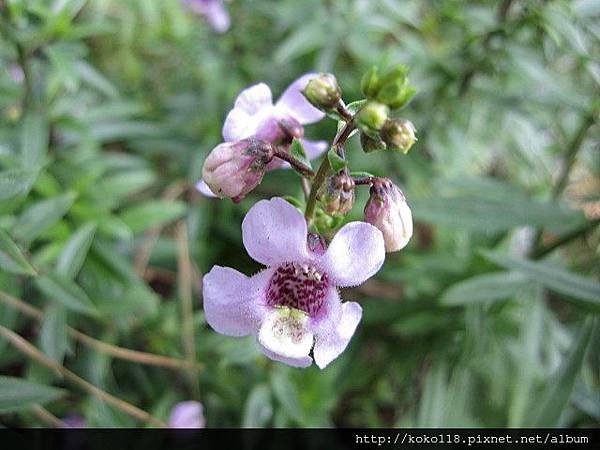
337,194
399,134
387,210
188,414
232,169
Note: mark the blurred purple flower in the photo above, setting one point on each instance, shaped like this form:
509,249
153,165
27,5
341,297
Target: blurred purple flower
188,414
293,305
255,115
213,10
74,420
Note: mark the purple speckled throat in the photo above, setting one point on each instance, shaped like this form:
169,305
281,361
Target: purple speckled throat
298,286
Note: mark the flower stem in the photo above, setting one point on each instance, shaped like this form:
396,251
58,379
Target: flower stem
32,352
325,167
295,163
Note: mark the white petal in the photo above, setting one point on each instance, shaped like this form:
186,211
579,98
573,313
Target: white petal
285,332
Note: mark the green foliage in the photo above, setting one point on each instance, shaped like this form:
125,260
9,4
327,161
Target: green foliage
107,111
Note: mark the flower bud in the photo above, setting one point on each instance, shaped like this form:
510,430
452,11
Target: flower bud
387,210
232,169
369,84
337,194
399,134
323,91
371,118
371,144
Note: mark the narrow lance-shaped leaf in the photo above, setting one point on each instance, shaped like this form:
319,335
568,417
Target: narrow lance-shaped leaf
17,394
75,251
11,257
64,291
488,287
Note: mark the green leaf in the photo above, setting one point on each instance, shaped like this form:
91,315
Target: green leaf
258,410
75,251
298,152
11,257
489,214
484,288
336,162
42,216
53,334
287,395
61,289
17,394
34,140
556,395
361,174
579,290
16,182
157,212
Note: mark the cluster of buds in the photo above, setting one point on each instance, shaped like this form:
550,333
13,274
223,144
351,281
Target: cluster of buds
379,131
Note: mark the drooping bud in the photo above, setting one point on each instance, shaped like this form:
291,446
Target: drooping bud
387,210
323,92
371,118
232,169
337,194
371,144
399,134
279,130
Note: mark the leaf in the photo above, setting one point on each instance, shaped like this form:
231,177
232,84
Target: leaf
579,290
53,334
17,394
488,214
362,174
95,79
11,257
34,139
287,395
258,410
75,251
484,288
61,289
336,162
298,152
42,216
558,391
15,182
157,212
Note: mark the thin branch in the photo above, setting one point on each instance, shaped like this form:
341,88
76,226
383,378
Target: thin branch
47,417
569,237
295,163
184,275
113,350
32,352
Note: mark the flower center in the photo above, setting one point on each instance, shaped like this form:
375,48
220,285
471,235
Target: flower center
298,286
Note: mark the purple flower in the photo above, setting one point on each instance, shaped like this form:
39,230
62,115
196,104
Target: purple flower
74,420
293,305
213,10
255,115
188,414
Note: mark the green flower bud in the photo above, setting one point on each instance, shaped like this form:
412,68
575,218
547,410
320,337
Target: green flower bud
369,84
399,134
371,144
398,73
371,118
337,194
323,91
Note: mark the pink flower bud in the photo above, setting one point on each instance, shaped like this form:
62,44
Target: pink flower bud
387,210
337,194
232,169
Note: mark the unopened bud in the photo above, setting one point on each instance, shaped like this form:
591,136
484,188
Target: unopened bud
387,210
399,134
323,91
371,144
279,130
371,118
337,194
232,169
369,84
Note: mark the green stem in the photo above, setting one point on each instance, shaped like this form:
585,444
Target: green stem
573,235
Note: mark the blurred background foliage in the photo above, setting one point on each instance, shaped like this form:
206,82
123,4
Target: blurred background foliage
107,111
